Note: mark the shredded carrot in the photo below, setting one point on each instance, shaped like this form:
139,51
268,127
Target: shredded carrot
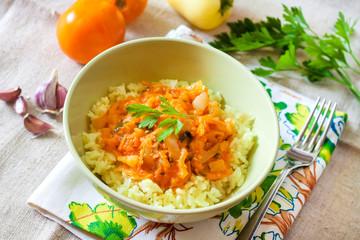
200,148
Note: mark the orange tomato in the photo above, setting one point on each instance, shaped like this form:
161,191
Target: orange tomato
89,27
132,9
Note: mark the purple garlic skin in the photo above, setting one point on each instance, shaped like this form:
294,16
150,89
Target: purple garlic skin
35,125
61,93
50,96
10,95
20,106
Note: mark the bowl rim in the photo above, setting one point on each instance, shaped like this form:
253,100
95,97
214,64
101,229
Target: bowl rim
228,203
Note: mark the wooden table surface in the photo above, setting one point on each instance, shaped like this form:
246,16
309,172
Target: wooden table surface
29,52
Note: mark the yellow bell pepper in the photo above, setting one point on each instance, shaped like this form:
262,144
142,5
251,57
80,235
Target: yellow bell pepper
203,14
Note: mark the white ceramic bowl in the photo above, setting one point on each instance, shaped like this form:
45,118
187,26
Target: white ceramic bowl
153,59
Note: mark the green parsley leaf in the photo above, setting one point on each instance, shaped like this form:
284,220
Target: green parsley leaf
151,116
149,120
261,72
165,101
167,122
165,133
288,58
139,110
267,62
343,28
179,126
295,17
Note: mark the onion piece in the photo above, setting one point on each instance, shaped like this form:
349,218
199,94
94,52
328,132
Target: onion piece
214,109
131,161
201,102
173,147
206,155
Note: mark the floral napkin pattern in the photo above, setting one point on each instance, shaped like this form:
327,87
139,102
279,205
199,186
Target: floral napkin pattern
81,209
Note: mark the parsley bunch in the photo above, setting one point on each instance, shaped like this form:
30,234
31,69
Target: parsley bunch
326,55
151,116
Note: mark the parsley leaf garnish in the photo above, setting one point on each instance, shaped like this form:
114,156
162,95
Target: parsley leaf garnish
326,56
151,116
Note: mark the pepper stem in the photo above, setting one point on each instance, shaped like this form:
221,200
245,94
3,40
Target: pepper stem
225,5
120,4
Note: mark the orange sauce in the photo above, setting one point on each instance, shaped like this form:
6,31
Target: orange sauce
200,148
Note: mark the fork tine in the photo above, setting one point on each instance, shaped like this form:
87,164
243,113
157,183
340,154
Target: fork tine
311,130
327,127
303,129
312,142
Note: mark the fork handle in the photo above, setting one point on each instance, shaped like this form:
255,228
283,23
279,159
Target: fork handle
251,227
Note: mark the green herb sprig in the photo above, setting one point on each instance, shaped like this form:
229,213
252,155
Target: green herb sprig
326,55
151,116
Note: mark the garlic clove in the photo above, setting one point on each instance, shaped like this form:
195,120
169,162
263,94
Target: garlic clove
20,106
35,125
60,96
10,95
45,96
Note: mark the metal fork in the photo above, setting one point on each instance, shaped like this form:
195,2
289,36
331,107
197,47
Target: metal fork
302,153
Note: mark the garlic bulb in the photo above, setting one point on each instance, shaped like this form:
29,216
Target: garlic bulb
50,96
10,95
